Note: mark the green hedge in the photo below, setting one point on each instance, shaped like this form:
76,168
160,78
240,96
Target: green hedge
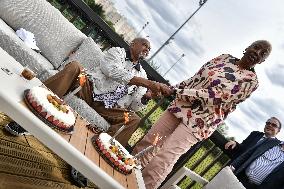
211,172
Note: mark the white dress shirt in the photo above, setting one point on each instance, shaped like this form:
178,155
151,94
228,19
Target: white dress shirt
115,72
260,168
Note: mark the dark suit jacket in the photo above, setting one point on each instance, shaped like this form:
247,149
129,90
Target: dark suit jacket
248,143
275,180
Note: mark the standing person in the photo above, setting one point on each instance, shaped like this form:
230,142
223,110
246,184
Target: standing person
271,129
202,103
118,86
262,166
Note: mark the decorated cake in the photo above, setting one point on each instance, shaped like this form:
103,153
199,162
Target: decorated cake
117,155
50,107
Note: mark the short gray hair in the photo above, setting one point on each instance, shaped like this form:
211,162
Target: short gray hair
266,43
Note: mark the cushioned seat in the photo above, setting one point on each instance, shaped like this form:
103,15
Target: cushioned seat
12,44
54,34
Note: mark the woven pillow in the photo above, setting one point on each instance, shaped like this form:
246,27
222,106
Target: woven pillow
46,74
54,34
88,54
88,113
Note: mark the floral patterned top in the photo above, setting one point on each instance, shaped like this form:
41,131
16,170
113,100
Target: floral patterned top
205,100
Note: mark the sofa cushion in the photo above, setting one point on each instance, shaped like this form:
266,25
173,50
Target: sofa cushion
88,113
46,74
55,35
88,54
13,45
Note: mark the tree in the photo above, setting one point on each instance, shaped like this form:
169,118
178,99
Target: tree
224,130
98,9
154,65
89,2
110,24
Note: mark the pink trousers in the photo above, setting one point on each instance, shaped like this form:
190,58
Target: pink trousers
176,140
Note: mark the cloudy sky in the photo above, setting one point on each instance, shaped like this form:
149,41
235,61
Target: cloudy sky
221,26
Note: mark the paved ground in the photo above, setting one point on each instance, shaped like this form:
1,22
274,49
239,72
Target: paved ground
27,164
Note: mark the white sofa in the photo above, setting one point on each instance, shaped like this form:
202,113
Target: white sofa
56,37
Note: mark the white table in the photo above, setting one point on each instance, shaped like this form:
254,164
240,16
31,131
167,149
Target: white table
11,96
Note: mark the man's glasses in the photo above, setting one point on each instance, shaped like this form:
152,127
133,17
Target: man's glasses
272,124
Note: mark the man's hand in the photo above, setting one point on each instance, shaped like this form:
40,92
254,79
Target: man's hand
166,90
230,145
157,89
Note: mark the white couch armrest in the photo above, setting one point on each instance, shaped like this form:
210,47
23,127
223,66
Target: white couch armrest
171,183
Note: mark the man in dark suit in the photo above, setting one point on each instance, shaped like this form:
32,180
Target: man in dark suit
262,166
270,131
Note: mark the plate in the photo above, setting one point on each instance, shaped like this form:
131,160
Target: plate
65,131
94,138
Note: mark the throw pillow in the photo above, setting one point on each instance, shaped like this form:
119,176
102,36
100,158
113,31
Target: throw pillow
54,34
88,54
